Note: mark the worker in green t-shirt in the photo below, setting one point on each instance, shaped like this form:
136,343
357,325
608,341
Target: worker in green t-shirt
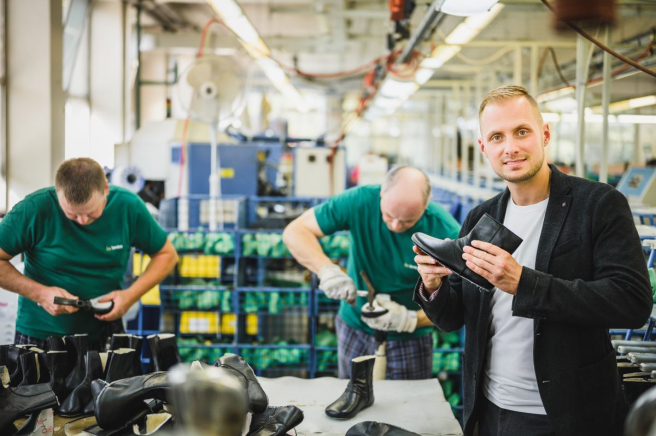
76,238
381,221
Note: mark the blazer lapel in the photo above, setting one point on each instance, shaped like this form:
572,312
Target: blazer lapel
559,203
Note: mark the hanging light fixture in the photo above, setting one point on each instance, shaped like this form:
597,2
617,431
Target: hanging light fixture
465,8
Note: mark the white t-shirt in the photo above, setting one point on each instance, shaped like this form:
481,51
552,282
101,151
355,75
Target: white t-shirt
510,380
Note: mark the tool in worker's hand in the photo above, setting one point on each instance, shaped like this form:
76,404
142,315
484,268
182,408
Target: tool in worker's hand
92,305
369,311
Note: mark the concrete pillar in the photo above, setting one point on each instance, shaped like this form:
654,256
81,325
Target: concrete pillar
106,80
35,97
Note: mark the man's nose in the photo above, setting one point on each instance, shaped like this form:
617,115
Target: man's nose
511,146
82,219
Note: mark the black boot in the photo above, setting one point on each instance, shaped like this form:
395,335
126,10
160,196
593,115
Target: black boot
119,341
14,365
20,401
29,363
164,351
56,362
76,347
77,402
55,343
372,428
120,365
449,253
275,421
123,400
257,398
136,343
359,393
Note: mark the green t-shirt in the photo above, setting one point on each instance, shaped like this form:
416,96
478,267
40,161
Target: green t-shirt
387,257
87,261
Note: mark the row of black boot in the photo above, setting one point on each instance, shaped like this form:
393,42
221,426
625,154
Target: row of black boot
67,370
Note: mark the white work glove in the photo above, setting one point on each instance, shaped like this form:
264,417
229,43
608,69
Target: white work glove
398,318
336,284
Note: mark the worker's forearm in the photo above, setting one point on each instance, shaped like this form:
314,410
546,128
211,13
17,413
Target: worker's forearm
159,267
422,319
14,281
305,248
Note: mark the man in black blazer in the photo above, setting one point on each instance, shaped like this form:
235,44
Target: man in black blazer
538,359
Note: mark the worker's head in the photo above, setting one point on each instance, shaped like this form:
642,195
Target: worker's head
404,197
82,189
513,133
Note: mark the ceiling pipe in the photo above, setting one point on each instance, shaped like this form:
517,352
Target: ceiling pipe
426,24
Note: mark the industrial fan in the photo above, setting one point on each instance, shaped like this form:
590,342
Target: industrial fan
214,89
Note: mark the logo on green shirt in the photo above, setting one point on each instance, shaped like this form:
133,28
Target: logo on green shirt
114,247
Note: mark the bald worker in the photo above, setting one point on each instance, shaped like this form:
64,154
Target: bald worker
381,220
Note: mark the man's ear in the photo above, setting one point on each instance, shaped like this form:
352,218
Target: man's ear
481,146
106,187
547,134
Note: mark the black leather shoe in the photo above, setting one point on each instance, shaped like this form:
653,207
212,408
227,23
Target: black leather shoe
373,428
257,398
275,421
29,363
76,347
120,365
164,351
124,399
359,393
19,401
14,364
9,356
80,401
56,362
119,341
55,343
449,253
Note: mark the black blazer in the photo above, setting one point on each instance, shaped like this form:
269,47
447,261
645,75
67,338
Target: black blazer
590,275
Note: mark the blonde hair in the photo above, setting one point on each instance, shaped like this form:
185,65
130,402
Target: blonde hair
79,178
505,93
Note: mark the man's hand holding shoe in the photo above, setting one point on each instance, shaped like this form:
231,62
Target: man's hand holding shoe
398,318
336,284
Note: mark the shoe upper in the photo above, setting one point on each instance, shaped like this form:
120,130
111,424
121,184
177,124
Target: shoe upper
275,421
257,398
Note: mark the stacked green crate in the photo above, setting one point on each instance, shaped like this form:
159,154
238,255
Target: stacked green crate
220,243
284,357
335,246
272,302
263,245
198,348
326,359
448,362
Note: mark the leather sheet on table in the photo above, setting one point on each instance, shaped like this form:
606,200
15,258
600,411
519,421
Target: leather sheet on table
415,405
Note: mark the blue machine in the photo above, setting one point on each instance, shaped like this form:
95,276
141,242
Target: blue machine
238,168
638,184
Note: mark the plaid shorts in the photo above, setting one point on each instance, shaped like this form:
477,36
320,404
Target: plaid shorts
99,344
407,359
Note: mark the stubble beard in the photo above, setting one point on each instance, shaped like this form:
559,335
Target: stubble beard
522,177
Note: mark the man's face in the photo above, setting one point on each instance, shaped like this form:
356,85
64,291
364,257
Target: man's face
87,213
513,139
399,213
